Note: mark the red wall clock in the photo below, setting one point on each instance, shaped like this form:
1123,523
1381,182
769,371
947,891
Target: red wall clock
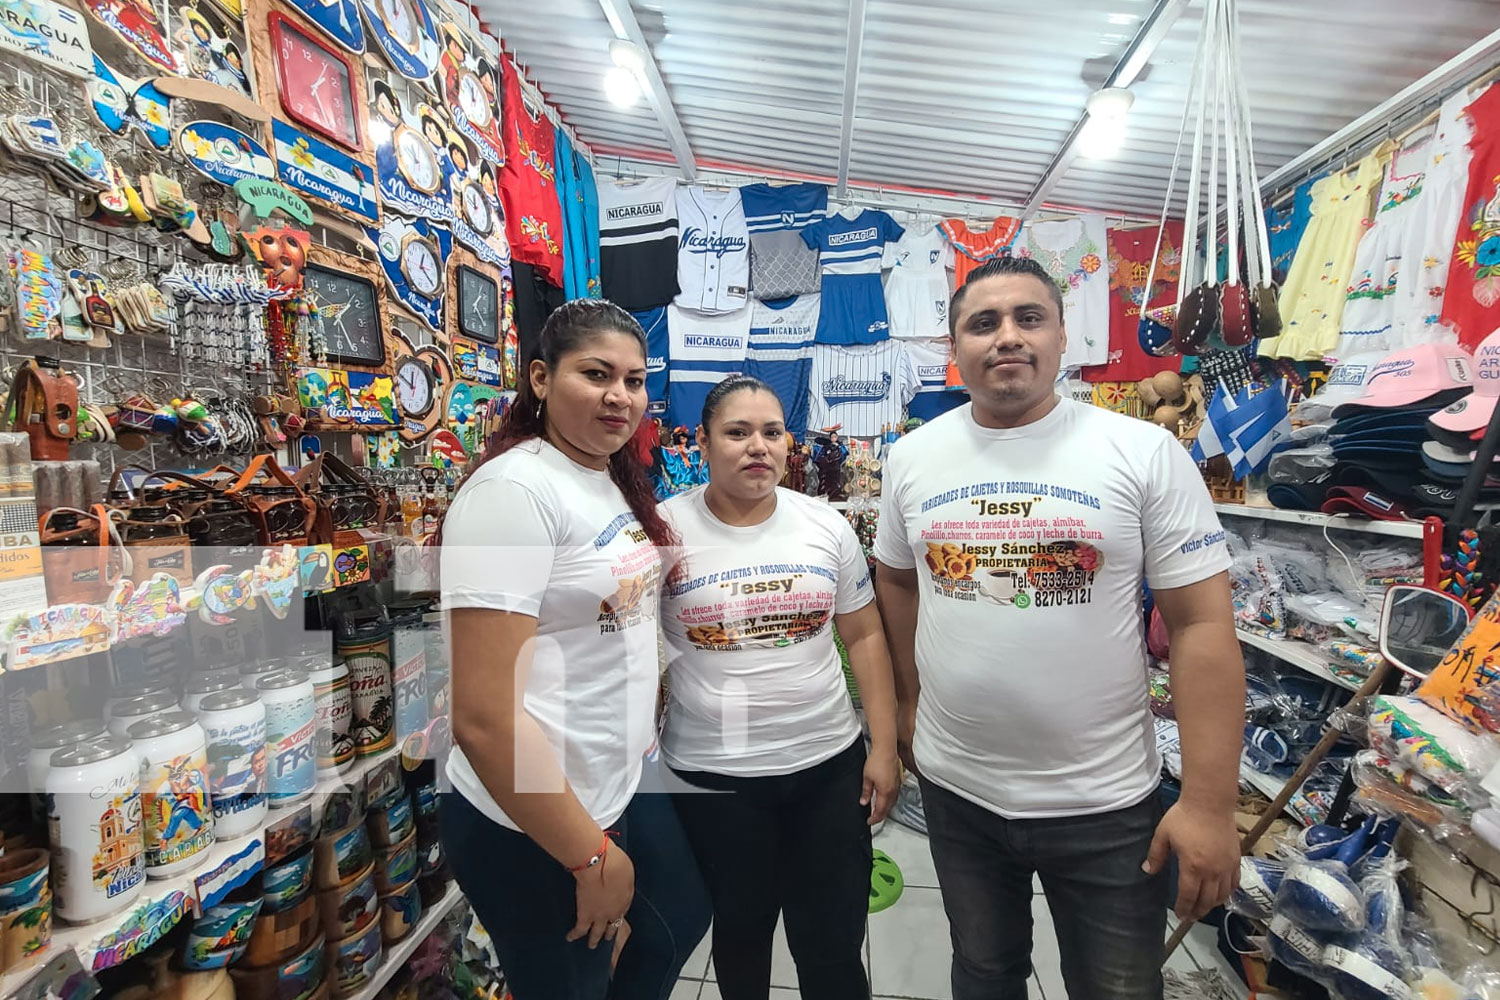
316,82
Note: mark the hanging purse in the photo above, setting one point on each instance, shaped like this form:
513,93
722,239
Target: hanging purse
1198,308
83,556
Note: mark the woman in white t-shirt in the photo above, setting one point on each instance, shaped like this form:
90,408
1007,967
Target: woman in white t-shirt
550,577
759,710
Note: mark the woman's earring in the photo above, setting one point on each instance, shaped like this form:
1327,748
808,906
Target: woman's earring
539,409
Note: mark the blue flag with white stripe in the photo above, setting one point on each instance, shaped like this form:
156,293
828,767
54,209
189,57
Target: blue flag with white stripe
1245,429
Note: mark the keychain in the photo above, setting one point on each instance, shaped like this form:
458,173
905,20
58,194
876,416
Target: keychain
38,293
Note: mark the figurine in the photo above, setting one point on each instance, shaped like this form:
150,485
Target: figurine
829,457
798,457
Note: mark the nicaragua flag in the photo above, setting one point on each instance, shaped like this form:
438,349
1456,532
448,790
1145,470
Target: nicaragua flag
1262,425
1215,429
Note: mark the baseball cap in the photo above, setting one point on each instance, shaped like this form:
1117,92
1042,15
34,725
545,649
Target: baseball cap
1299,496
1473,412
1346,382
1356,500
1440,451
1415,375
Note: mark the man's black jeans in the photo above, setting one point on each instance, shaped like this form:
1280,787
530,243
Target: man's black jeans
1110,915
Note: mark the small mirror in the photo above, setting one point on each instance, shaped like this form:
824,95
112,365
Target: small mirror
1418,626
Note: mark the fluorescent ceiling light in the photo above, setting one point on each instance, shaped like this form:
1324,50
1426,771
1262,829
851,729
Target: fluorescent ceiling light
1104,131
621,87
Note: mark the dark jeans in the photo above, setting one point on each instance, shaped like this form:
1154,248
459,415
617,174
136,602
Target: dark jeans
1110,916
528,903
797,845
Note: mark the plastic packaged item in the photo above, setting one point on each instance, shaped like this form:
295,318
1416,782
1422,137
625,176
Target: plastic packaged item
1260,878
1296,948
1320,895
1430,744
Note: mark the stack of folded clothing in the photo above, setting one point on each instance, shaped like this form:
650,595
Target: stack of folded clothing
1373,463
1454,433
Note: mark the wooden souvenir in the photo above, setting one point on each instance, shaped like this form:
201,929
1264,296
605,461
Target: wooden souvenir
206,92
427,399
475,293
210,47
280,935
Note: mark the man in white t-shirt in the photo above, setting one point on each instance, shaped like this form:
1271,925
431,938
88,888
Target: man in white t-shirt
1015,534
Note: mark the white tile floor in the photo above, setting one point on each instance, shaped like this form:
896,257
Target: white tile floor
907,949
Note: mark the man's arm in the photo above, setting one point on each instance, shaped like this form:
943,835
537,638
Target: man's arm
1208,691
896,596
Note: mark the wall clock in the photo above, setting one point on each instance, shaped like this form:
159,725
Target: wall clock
476,209
316,82
416,387
473,100
417,161
421,263
478,305
350,307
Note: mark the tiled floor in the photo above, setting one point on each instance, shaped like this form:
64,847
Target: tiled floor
907,949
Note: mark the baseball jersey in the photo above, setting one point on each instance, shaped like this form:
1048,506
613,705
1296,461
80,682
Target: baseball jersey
713,251
917,289
934,397
528,184
704,349
861,389
780,352
654,322
781,265
638,242
850,251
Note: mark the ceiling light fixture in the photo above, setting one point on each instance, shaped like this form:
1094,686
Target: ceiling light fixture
622,83
1104,131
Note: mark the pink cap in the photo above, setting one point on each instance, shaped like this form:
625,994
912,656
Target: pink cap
1413,375
1472,413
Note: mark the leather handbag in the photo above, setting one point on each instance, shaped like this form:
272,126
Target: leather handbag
350,500
44,405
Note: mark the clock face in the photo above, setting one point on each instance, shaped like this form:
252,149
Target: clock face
478,302
414,388
351,315
419,262
416,160
477,209
400,22
473,100
316,88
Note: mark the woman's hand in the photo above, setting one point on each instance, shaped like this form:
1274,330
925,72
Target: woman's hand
604,894
882,778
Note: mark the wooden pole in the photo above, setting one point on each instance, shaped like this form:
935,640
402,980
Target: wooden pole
1315,757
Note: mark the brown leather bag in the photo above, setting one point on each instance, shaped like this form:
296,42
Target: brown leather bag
83,556
44,404
284,513
349,499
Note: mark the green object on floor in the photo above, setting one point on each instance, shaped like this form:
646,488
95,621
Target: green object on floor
886,883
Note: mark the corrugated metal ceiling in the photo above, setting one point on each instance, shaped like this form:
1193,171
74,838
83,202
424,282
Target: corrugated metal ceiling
974,97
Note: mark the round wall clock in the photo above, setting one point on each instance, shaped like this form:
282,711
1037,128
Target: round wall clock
472,99
399,20
416,387
476,208
416,160
420,264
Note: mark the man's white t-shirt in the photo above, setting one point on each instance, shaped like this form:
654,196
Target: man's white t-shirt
1030,545
756,684
535,533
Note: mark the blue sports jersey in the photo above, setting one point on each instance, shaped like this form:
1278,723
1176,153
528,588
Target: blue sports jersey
769,207
934,396
780,353
850,252
705,349
654,322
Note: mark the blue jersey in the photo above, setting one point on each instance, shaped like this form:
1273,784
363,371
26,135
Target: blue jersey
654,322
850,252
769,207
780,352
934,396
706,348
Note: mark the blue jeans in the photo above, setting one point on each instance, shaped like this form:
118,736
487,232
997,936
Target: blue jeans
1110,916
528,903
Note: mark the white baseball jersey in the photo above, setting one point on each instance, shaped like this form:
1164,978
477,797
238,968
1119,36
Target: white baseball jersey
705,349
638,242
861,387
780,353
713,251
919,285
935,397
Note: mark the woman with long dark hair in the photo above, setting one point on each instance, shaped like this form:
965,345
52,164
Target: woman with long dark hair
760,711
551,576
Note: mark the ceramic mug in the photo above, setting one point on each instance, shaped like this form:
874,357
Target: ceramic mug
353,961
287,884
999,585
397,865
350,908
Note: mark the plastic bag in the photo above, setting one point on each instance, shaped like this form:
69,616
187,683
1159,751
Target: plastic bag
1255,897
1430,744
1298,949
1384,788
1319,895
